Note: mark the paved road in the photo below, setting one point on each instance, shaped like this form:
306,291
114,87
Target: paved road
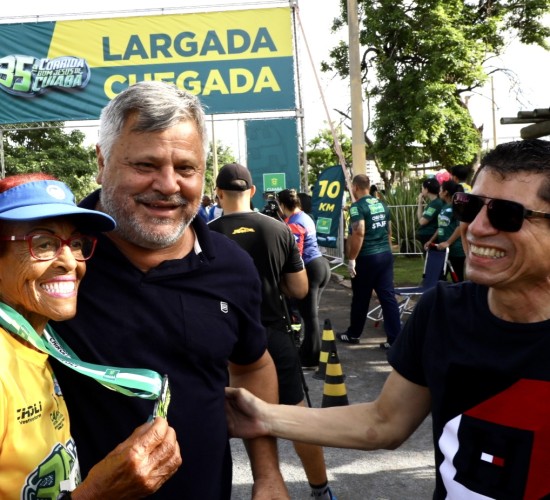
406,473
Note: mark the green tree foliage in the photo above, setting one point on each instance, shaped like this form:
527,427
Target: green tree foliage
421,59
322,153
51,150
224,155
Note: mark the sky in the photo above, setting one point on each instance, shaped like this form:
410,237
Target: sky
530,65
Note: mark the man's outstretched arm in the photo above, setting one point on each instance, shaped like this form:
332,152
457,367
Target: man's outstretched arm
260,378
384,423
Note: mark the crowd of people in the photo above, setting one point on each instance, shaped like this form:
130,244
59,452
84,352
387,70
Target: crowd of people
197,308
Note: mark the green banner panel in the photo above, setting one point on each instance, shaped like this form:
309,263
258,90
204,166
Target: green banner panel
236,61
326,205
272,156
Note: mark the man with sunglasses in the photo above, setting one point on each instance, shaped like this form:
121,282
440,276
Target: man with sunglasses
475,354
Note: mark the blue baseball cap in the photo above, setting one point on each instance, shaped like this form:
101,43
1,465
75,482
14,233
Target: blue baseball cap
48,198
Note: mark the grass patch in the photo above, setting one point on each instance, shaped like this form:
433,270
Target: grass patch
407,270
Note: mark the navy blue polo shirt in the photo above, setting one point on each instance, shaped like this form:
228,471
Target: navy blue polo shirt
186,318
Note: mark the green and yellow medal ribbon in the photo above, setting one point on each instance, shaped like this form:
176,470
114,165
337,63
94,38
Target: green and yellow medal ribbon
137,382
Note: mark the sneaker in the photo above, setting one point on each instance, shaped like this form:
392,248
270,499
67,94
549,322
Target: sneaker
344,337
326,494
385,346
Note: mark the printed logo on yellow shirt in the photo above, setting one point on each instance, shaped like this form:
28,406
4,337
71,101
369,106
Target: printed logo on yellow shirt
29,413
58,419
59,466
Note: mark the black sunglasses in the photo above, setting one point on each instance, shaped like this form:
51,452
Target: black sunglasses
503,215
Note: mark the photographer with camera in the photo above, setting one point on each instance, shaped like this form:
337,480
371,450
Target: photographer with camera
272,207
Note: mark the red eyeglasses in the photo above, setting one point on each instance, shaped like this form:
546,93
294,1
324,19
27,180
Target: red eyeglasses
48,246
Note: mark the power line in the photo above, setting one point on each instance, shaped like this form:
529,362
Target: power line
146,11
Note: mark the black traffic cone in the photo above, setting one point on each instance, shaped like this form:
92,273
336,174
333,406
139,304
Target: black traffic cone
328,344
334,390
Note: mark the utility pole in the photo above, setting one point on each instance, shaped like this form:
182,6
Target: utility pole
359,158
214,153
300,110
493,106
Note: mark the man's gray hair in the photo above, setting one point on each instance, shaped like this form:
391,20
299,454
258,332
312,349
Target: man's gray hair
158,106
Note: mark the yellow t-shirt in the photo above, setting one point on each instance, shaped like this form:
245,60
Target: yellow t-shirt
37,453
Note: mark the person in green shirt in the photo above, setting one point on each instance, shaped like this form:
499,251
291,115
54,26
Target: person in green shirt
370,263
427,212
448,230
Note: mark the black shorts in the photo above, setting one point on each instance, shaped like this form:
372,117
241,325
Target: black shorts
280,345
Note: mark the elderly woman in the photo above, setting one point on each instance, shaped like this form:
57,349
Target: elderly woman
45,240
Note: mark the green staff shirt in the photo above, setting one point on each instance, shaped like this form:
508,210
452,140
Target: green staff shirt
430,213
447,224
376,215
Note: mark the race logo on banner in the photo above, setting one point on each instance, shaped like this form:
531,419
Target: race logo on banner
327,205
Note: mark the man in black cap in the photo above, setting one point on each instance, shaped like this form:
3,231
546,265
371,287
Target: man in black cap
277,258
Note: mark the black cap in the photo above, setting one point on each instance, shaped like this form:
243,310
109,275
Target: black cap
234,177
